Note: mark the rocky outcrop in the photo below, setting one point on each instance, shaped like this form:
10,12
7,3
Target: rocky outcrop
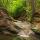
22,29
7,25
36,22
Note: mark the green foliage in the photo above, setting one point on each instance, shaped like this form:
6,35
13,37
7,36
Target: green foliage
14,7
37,4
29,10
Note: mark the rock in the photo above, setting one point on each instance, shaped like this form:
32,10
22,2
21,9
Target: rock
36,28
7,23
36,23
25,30
22,29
